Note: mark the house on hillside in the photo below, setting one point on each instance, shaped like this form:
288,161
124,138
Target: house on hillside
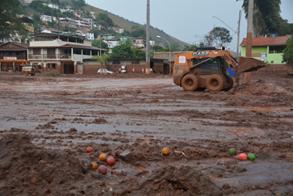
13,56
139,43
267,49
61,52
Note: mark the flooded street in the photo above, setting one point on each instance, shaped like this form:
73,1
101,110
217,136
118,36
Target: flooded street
133,118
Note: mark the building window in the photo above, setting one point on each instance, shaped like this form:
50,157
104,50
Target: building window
276,49
36,51
76,51
86,52
94,52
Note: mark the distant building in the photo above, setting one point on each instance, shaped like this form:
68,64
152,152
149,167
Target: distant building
85,24
139,43
118,30
12,56
63,54
46,18
28,23
267,49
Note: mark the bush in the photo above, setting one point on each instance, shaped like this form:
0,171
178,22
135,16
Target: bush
288,52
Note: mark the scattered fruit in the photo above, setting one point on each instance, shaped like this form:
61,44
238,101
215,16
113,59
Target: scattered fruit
103,169
242,156
89,149
166,151
251,156
103,157
232,152
94,165
111,160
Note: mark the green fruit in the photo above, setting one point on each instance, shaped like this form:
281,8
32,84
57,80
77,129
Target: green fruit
232,152
251,156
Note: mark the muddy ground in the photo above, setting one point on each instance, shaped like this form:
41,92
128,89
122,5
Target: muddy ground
46,124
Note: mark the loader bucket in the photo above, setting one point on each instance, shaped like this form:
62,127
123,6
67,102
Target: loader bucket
249,64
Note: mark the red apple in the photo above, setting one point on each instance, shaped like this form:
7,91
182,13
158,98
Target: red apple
89,149
103,169
111,160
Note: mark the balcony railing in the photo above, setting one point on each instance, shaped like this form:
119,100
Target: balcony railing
48,56
6,57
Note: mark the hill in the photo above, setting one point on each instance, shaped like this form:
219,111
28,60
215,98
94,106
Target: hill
36,9
129,25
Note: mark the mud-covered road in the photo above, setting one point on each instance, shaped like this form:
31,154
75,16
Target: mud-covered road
133,118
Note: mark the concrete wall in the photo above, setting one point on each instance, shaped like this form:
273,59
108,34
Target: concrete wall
272,58
275,58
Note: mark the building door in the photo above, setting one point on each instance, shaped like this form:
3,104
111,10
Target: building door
166,68
68,68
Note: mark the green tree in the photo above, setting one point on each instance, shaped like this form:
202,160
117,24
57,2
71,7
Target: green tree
104,20
123,51
126,51
99,44
192,47
103,59
78,4
138,54
36,22
9,23
267,18
288,52
137,31
218,36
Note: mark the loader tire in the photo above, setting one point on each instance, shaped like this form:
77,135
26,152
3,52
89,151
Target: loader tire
230,84
215,83
189,82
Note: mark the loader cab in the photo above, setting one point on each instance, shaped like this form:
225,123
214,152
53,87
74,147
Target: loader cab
209,66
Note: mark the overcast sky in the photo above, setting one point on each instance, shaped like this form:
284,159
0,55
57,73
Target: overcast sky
188,20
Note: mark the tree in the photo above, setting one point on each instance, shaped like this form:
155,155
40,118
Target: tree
267,18
9,23
137,31
192,47
104,20
218,37
78,4
123,51
126,51
288,52
138,54
103,59
99,44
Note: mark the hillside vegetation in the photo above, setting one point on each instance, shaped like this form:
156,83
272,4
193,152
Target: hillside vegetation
36,9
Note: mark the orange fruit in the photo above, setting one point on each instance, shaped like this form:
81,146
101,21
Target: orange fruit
103,157
94,165
166,151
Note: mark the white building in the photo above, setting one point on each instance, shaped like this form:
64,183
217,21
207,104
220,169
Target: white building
63,53
46,18
138,43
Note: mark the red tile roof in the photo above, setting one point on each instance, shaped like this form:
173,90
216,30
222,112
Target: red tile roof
268,41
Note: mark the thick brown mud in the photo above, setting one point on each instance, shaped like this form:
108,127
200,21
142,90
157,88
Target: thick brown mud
46,124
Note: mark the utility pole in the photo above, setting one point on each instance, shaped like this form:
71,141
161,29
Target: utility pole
238,34
147,52
249,37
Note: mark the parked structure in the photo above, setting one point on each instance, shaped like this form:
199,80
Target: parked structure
12,56
267,49
61,52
